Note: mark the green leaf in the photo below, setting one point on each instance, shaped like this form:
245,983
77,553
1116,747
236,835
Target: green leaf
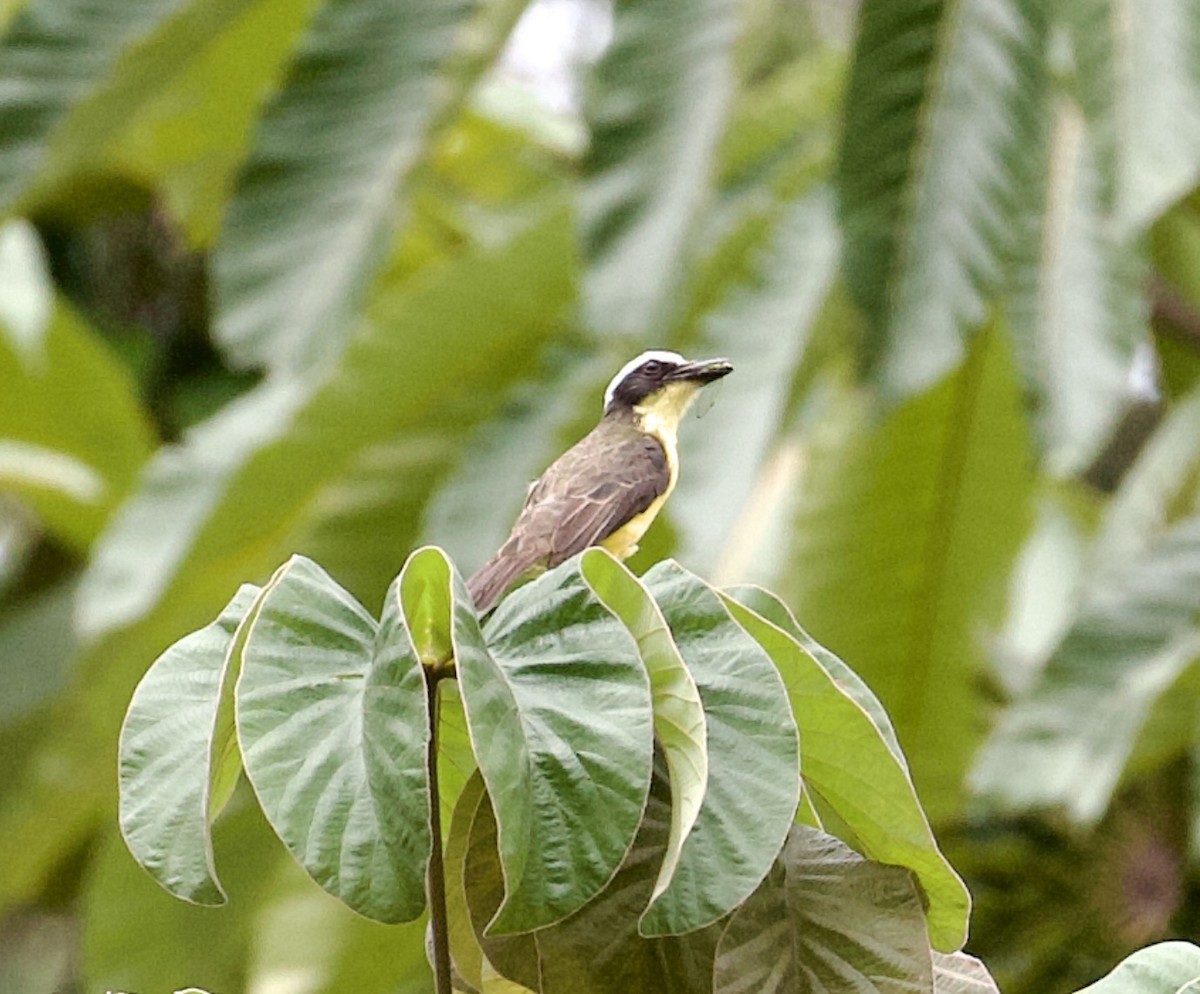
72,432
753,761
680,728
1159,105
333,726
165,761
465,953
559,710
597,949
1067,742
1076,305
826,921
898,530
286,455
314,208
53,54
849,763
28,297
657,107
958,973
1164,968
936,109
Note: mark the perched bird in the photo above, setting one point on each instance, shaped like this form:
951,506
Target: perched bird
607,488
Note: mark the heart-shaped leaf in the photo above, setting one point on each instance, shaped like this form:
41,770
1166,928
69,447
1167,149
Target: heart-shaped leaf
753,762
559,710
167,762
334,728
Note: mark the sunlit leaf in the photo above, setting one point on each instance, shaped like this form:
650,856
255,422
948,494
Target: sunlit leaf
680,727
848,762
935,116
165,760
753,762
958,973
657,107
559,709
333,726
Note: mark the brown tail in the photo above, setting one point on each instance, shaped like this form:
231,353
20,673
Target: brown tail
493,578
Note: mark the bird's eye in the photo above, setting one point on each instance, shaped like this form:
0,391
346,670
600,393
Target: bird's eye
653,367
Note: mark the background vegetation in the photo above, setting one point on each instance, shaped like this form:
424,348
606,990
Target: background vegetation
293,276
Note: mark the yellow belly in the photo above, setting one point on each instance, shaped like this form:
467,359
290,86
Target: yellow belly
624,541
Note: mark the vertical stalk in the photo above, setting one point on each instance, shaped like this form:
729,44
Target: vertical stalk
435,883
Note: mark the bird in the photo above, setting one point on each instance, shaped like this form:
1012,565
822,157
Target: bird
608,487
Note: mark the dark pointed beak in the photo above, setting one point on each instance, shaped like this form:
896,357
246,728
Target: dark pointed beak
702,371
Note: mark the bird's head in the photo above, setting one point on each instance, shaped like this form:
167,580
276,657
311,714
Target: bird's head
661,385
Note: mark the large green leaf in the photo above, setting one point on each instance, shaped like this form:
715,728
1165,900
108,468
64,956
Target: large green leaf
899,531
597,949
753,761
334,727
826,921
958,973
167,760
72,433
936,108
313,210
680,727
1159,50
1165,968
849,763
656,111
1067,742
53,54
230,498
559,709
1075,298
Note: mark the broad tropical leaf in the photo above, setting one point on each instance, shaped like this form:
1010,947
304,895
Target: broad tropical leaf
1165,968
314,209
848,762
165,761
680,727
936,108
333,724
657,107
826,921
559,710
753,758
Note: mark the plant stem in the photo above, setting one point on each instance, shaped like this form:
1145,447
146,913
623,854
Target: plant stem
435,883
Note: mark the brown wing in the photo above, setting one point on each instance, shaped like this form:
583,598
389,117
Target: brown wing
612,474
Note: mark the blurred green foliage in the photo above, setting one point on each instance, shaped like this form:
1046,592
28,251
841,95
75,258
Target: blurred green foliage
289,276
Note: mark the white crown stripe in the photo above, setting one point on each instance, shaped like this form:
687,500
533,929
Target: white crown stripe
629,367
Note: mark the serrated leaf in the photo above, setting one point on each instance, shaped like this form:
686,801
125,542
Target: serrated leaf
680,728
164,757
753,782
935,115
848,761
559,710
826,921
656,111
334,727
